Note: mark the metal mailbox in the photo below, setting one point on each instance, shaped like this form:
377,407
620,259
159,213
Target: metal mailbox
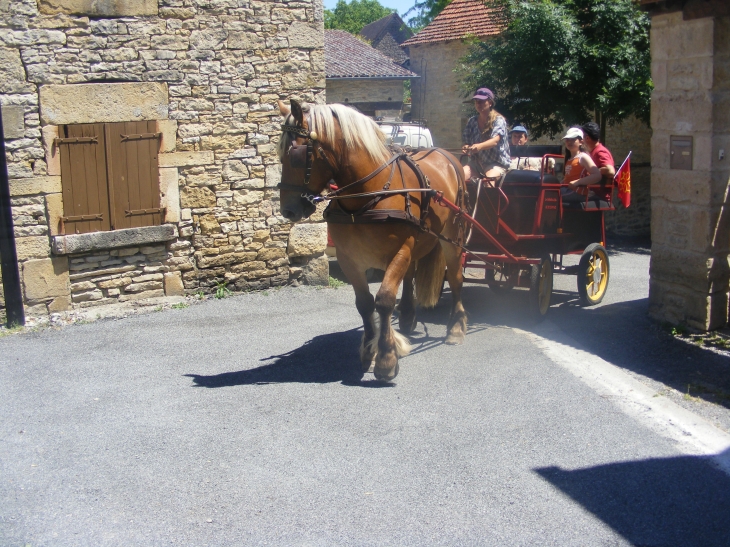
680,152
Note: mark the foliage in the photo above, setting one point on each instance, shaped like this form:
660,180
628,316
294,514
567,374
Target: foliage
180,306
221,291
354,16
564,62
422,13
335,283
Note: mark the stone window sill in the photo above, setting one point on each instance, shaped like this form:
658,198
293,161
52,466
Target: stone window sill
102,241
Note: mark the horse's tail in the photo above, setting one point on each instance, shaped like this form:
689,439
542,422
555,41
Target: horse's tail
430,277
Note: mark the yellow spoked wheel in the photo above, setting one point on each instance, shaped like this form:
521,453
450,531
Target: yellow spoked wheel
593,275
541,287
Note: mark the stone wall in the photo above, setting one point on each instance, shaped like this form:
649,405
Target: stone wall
366,90
210,74
690,216
436,95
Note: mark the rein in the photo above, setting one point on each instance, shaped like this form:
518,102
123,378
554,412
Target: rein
367,214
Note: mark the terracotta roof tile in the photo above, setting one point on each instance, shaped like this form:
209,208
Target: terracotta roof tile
459,19
347,57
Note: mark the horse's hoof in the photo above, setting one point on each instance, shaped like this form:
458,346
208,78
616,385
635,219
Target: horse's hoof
388,375
455,339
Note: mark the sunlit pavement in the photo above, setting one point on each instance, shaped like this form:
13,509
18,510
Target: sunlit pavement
245,421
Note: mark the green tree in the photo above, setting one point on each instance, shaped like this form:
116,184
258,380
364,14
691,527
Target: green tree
563,62
422,13
354,16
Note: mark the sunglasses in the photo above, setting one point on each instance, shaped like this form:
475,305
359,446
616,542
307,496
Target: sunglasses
480,101
571,140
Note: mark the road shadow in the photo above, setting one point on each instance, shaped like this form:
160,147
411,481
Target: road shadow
324,359
621,333
656,502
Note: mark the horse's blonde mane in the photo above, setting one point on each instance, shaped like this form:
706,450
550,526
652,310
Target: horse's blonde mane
359,133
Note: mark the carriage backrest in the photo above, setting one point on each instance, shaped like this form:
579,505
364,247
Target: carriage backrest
534,150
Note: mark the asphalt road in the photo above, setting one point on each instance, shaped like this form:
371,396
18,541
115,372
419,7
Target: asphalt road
245,421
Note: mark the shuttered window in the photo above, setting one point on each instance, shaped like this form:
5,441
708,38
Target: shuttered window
109,176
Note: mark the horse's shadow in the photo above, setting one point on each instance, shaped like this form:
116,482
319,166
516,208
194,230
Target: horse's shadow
323,359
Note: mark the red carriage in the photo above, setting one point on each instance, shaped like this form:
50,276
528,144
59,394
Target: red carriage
519,230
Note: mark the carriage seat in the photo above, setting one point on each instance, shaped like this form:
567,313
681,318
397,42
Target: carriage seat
593,204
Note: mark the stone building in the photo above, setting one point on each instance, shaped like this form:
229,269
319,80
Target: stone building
386,35
690,230
140,141
361,76
435,52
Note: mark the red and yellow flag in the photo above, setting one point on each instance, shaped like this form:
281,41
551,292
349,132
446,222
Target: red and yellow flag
623,181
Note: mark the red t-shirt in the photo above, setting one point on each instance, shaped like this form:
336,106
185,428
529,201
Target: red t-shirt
601,157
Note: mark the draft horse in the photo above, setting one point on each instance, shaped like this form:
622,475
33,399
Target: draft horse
381,215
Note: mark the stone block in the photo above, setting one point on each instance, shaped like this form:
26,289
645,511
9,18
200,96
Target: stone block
174,284
141,287
11,67
197,197
209,225
680,186
142,295
35,185
96,103
53,154
32,247
305,35
307,240
96,241
682,112
13,121
97,8
317,271
46,278
186,159
168,141
170,193
245,40
54,210
271,254
60,303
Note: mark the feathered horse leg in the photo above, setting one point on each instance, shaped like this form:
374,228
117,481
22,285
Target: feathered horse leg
365,304
391,344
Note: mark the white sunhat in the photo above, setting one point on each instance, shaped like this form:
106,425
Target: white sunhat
574,133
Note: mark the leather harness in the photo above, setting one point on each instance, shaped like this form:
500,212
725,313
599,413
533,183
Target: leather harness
336,214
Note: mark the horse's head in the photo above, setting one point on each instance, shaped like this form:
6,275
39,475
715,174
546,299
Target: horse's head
305,167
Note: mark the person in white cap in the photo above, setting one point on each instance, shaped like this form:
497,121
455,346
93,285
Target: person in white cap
580,171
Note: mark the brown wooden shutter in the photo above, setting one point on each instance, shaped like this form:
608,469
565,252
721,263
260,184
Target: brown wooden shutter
83,178
134,186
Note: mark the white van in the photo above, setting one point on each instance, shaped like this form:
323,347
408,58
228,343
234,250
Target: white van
404,134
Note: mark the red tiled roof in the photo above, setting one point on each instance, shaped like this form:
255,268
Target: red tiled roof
459,19
347,57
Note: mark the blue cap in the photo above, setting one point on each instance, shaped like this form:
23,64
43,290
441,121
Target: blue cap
519,129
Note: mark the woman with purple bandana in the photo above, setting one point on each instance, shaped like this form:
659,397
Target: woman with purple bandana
485,139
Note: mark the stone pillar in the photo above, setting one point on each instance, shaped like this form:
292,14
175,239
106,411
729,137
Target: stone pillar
690,208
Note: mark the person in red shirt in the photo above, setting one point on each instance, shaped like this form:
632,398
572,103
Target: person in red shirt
600,155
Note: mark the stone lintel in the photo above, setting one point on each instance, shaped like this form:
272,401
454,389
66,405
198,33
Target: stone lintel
186,159
98,103
98,241
104,8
